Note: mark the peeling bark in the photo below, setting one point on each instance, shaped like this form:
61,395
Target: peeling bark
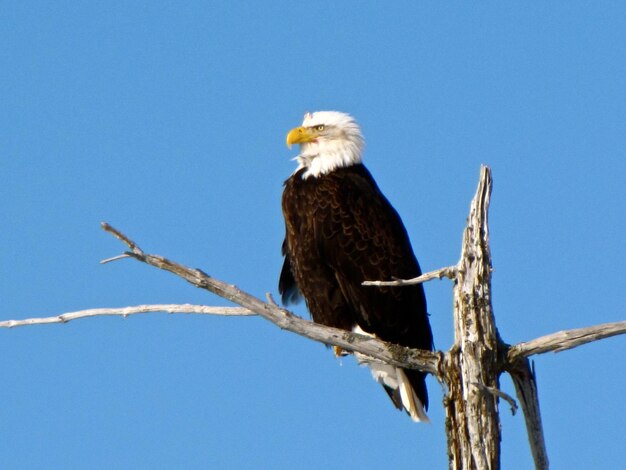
472,417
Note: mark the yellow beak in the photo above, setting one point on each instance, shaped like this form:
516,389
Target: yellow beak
300,135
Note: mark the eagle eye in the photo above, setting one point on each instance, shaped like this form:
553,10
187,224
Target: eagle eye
320,128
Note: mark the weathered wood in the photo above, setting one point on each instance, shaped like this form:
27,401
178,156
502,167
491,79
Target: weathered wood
448,271
426,361
523,376
563,340
472,421
126,311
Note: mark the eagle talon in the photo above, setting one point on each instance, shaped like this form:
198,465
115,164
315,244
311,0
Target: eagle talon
339,352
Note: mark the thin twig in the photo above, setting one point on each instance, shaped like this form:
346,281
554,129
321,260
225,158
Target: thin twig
114,258
126,311
448,271
120,236
499,393
270,299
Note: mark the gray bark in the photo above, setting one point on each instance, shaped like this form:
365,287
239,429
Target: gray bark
472,421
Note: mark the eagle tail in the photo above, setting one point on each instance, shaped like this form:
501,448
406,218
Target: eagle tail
410,391
406,388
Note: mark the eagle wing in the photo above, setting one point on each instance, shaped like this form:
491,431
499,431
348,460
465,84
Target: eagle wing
362,237
341,231
287,287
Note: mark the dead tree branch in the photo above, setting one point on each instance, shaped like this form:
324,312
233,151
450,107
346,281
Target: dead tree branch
564,340
126,311
449,271
500,394
525,383
393,354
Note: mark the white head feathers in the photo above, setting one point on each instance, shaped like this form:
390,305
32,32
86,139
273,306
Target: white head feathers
336,142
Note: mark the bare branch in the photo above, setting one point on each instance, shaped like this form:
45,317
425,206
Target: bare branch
114,258
498,393
126,311
563,340
270,299
448,271
390,353
525,383
120,236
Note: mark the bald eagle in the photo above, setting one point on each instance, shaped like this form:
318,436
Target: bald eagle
341,231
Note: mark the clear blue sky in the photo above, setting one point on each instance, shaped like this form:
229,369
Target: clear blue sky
168,120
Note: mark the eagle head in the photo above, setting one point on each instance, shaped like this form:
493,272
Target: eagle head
328,140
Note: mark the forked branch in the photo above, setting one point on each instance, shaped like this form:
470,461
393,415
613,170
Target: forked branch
393,354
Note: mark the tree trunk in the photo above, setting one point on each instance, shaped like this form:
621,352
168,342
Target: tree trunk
472,368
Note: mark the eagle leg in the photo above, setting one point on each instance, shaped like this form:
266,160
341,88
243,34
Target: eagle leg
339,352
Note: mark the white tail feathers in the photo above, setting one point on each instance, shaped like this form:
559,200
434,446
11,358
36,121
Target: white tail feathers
411,403
394,378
